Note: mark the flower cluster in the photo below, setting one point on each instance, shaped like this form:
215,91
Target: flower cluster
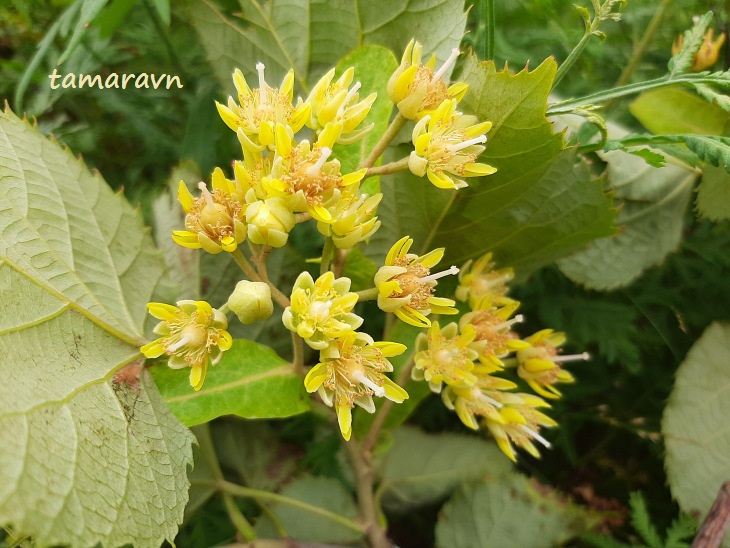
462,361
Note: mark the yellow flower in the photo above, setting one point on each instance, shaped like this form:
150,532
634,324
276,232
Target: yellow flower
269,222
708,53
337,105
354,376
405,284
353,218
446,147
483,399
444,356
494,336
192,333
539,363
258,112
519,423
214,221
321,311
416,89
305,178
479,280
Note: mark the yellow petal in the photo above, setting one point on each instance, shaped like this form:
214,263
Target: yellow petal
197,375
227,115
183,195
413,317
440,180
225,341
315,377
153,349
344,418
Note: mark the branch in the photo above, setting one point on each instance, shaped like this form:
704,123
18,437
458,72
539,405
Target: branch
716,523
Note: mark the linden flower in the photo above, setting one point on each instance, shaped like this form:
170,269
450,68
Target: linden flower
214,221
321,310
539,364
259,111
479,280
305,178
445,144
269,222
405,284
192,333
337,105
483,399
520,423
445,357
416,89
355,376
353,218
494,337
708,53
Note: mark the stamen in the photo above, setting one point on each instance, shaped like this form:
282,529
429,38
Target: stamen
206,193
315,168
360,377
433,277
572,357
534,435
262,84
517,319
491,401
179,344
496,281
447,64
469,142
320,309
350,95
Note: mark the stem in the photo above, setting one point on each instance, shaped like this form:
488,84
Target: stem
395,126
367,294
298,350
717,521
234,513
572,58
278,296
258,494
489,17
362,463
327,252
392,167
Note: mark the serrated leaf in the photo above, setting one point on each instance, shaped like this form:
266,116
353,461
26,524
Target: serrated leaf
641,520
712,96
539,205
300,524
88,452
503,512
713,194
421,468
310,36
673,110
712,149
653,202
695,426
693,39
251,381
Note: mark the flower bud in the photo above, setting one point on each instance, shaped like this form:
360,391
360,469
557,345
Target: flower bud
251,301
269,222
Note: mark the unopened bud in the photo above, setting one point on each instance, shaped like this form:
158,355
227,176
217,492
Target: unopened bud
251,301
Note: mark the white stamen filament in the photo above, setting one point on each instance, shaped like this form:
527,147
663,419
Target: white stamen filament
433,277
517,319
496,281
360,377
491,401
352,210
350,95
447,64
206,193
572,357
262,84
534,435
320,309
179,344
314,169
469,142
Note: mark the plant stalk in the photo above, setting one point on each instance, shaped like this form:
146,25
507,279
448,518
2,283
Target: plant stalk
395,126
392,167
249,271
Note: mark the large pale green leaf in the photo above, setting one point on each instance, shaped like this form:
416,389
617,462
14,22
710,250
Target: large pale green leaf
422,468
506,511
250,381
651,217
713,194
695,426
88,453
310,36
539,206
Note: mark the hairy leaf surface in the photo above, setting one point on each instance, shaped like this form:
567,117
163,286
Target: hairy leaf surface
713,194
88,451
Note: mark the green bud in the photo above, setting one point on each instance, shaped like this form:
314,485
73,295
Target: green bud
251,301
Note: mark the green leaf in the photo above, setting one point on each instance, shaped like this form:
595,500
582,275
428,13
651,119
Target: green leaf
712,149
712,96
88,451
675,111
653,203
371,64
682,530
251,381
539,205
163,10
88,12
713,194
693,38
641,520
360,269
421,468
311,36
506,511
305,525
695,426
